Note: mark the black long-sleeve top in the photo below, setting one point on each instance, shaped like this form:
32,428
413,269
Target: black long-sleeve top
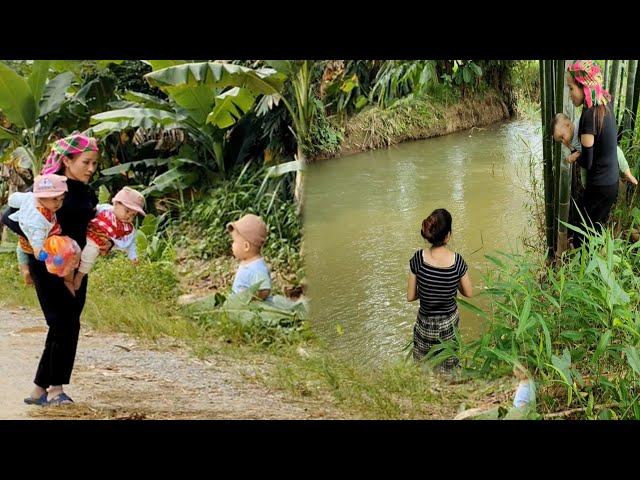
600,160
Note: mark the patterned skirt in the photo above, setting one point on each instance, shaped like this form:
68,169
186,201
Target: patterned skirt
430,331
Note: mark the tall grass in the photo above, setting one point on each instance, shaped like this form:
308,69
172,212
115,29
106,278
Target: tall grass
575,327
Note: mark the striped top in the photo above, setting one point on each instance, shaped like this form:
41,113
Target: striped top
437,287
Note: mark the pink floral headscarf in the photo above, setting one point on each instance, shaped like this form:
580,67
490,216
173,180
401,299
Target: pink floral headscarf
71,145
589,76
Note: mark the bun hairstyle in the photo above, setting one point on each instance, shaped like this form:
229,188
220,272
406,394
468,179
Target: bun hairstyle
436,227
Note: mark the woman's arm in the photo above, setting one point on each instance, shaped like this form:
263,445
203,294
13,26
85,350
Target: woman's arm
465,287
586,133
586,157
12,225
412,291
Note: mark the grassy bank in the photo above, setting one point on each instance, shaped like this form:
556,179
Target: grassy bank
418,117
141,301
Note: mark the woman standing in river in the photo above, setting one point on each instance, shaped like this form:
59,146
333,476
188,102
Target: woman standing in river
436,276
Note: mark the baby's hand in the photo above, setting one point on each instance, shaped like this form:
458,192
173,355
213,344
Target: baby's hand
135,261
573,157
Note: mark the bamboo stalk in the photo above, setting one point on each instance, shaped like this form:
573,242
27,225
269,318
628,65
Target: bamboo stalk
636,97
619,96
557,147
546,155
628,110
615,71
565,169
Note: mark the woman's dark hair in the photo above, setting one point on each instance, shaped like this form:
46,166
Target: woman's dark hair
599,111
436,227
72,157
598,115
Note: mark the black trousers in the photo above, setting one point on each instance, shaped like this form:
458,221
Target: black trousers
596,206
62,313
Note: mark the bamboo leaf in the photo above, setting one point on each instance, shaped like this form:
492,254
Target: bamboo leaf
495,261
632,358
572,335
547,337
603,343
472,308
562,366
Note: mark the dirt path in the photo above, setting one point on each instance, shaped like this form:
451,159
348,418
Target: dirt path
117,376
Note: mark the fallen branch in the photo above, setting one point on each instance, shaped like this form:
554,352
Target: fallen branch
574,410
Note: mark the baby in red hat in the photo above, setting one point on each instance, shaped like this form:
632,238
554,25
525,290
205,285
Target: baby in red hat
111,228
249,235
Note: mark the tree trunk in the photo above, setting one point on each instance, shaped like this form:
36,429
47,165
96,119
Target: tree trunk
606,73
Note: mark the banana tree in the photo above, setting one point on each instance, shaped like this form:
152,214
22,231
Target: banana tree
34,105
244,85
206,99
301,112
23,102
